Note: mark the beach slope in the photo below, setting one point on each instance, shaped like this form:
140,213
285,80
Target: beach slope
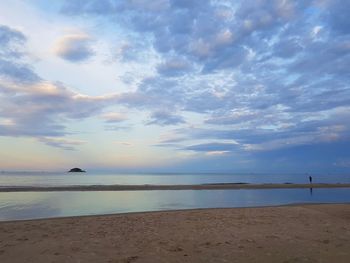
300,233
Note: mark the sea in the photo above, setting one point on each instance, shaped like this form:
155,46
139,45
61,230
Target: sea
36,205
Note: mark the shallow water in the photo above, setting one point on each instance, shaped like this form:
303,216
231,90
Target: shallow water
30,205
65,179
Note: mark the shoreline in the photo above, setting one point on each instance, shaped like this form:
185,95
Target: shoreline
148,187
290,233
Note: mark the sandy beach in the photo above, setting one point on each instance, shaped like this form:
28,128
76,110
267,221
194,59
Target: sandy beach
300,233
149,187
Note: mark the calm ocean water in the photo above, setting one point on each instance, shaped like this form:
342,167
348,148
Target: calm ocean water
32,205
59,179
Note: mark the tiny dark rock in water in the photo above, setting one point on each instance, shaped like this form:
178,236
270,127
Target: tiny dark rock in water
76,170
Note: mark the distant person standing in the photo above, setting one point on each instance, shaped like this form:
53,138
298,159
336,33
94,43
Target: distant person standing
310,180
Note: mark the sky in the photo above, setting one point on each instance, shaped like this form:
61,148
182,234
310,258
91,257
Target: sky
175,85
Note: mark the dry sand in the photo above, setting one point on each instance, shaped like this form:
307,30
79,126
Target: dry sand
305,233
145,187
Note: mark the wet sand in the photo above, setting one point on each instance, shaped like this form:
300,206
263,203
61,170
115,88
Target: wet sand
288,234
219,186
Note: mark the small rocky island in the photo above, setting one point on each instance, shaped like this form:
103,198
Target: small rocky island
76,170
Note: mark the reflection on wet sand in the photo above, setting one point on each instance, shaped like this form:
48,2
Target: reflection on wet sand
26,205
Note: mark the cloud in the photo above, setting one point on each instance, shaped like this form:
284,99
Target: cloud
74,47
118,128
287,48
212,147
183,29
18,72
33,107
12,56
124,143
97,7
174,67
237,116
251,139
114,117
44,106
65,144
337,16
164,118
270,75
153,94
11,41
281,71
